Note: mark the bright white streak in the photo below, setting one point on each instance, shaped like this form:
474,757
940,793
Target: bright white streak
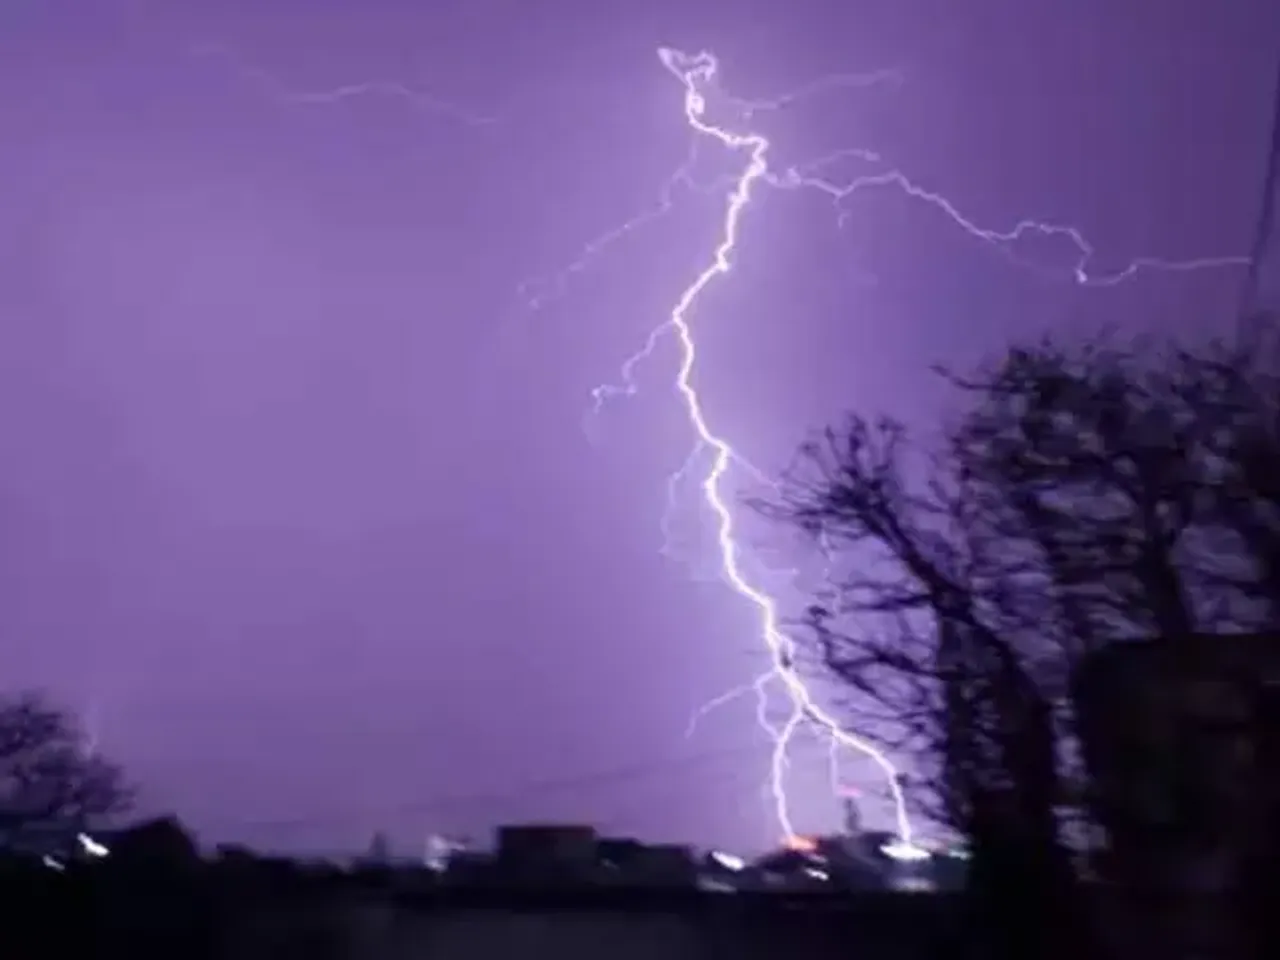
693,72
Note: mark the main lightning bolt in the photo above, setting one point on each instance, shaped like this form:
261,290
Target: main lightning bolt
697,74
694,72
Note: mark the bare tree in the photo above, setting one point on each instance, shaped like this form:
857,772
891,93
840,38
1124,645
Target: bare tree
48,777
928,622
1085,496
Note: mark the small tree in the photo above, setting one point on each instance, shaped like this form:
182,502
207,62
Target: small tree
48,779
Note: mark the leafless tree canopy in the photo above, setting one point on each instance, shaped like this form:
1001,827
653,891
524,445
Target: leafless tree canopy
47,776
1084,495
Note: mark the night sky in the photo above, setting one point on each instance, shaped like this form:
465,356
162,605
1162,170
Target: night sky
302,503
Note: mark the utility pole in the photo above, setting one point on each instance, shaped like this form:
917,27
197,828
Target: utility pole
1262,289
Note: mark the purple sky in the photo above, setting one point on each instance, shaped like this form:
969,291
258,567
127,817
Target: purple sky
297,492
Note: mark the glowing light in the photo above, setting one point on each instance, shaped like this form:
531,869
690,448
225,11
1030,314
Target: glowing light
800,844
728,861
905,852
697,74
91,847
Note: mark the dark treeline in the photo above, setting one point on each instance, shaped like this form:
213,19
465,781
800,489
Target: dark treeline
154,892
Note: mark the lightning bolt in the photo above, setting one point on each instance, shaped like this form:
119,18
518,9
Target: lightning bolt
697,74
694,72
281,93
805,177
838,81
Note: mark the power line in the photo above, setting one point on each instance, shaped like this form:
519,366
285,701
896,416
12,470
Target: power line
621,774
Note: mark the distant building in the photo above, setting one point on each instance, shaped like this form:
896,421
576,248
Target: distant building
618,853
547,843
667,865
628,862
551,853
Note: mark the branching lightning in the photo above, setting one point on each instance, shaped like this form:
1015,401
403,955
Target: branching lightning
694,72
697,74
388,89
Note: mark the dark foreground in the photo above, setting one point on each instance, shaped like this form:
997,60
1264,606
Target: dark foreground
239,911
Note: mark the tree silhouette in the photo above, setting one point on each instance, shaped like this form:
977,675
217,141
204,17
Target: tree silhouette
1085,496
48,780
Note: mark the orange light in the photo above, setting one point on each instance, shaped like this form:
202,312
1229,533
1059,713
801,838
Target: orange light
800,844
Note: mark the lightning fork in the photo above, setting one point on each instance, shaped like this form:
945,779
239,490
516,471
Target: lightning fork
695,72
281,93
